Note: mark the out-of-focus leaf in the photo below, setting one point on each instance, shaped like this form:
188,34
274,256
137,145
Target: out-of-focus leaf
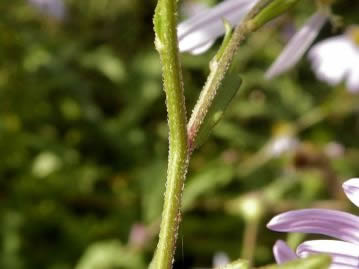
110,255
151,179
213,176
105,61
11,224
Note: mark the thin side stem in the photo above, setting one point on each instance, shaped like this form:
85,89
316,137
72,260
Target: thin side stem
166,44
250,240
218,71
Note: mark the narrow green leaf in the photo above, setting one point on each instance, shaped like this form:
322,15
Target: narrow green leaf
229,88
110,254
227,91
271,11
312,262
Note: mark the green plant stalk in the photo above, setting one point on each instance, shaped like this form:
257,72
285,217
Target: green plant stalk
181,138
166,44
250,239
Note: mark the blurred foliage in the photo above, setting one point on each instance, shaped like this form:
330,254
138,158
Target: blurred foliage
83,140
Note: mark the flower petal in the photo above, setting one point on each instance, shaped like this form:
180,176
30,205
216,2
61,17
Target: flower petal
298,45
332,223
55,8
190,8
343,253
333,59
202,48
351,189
282,144
205,27
220,259
353,78
282,252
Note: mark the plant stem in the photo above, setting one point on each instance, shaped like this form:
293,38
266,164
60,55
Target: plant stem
181,138
166,44
250,240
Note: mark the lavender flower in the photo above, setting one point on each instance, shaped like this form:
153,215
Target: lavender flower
336,59
334,223
283,253
282,144
198,33
220,259
298,44
55,8
193,8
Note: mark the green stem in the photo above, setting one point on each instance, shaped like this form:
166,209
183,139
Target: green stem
250,240
181,140
166,44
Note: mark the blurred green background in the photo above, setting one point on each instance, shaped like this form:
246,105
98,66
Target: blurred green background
83,141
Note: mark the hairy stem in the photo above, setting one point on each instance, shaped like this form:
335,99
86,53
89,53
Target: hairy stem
181,137
166,44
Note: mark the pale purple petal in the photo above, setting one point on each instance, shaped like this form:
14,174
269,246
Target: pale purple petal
351,189
344,255
220,259
298,45
333,59
283,253
353,77
190,8
282,144
203,28
202,48
332,223
55,8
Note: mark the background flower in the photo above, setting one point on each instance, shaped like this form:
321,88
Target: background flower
336,59
55,8
298,45
198,33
